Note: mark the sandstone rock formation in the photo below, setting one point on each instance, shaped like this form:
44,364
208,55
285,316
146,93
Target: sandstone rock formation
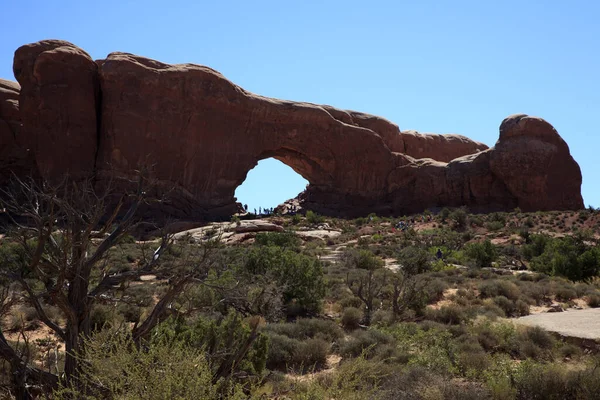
59,108
14,157
202,134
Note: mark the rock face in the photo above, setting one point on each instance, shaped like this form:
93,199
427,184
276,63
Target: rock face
59,107
14,157
534,162
202,134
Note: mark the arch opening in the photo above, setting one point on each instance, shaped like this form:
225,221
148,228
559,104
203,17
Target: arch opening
270,183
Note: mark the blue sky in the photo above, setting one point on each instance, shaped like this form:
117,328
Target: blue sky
444,66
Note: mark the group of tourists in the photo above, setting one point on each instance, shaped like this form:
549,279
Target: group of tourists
404,225
262,212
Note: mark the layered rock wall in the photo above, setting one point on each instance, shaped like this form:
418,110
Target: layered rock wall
201,134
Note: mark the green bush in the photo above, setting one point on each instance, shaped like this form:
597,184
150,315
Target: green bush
311,354
286,239
287,354
104,317
361,259
351,317
565,294
307,328
314,218
482,253
364,342
219,339
498,287
435,289
444,214
451,314
116,368
414,260
494,226
300,276
569,257
459,217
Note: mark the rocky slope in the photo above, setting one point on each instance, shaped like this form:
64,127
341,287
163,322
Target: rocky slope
201,134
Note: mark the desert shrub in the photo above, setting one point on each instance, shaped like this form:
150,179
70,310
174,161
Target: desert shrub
130,312
522,308
156,371
104,317
314,218
23,317
351,301
219,339
570,351
435,289
361,259
382,317
296,219
583,289
351,317
360,221
564,293
307,328
534,343
476,220
482,253
494,226
593,300
569,257
444,214
537,381
498,287
491,310
311,354
535,292
496,337
286,354
364,342
459,218
472,359
536,246
414,260
506,305
450,314
286,239
281,351
300,276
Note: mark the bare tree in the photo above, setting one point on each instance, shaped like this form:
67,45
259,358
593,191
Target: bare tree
409,283
367,280
65,233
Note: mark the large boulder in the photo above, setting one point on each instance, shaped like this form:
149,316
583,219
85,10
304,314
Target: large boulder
200,134
536,166
59,107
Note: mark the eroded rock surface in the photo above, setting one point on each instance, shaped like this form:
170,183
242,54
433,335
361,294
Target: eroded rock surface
59,107
14,156
201,134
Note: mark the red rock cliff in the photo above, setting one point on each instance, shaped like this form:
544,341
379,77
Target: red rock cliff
202,134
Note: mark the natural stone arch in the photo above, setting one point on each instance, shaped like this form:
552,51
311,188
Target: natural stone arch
202,134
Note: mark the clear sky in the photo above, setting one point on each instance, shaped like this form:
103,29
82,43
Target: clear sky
444,66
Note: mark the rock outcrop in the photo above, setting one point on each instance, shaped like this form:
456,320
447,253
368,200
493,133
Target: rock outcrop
202,134
14,157
59,107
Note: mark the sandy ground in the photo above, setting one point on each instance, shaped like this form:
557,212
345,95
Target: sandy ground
573,323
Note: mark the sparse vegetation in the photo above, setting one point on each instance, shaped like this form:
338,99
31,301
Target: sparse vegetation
368,313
